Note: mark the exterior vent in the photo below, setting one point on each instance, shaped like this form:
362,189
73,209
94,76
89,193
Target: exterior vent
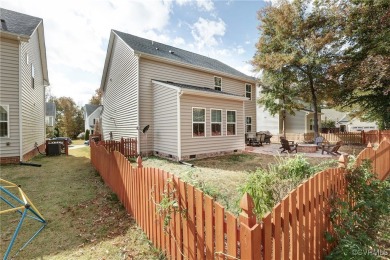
193,156
171,52
156,152
170,156
235,150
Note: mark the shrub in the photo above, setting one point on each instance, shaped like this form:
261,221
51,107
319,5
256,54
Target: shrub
86,137
357,224
269,186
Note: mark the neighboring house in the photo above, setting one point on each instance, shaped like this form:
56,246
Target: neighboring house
50,117
301,122
195,106
23,78
345,122
91,116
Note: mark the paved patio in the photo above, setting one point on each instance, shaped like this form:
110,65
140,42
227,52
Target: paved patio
273,149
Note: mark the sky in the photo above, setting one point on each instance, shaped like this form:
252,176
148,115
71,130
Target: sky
77,34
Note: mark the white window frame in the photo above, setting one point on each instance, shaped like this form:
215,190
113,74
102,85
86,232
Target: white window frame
235,122
246,124
8,133
50,118
215,86
211,122
246,91
192,119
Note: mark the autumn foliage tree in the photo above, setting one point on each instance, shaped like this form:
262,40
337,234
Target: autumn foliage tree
96,98
70,120
300,40
363,71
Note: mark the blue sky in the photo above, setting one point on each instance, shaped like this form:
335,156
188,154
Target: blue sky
77,32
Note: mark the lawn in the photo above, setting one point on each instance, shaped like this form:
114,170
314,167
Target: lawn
85,219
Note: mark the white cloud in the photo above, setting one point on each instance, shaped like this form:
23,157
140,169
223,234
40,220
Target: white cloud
206,5
206,32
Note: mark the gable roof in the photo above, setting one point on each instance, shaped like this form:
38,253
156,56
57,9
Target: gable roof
200,90
160,50
18,23
50,109
89,109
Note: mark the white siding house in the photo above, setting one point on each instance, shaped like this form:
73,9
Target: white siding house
91,116
23,78
148,83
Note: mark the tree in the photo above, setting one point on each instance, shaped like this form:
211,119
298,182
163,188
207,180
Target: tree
364,70
70,120
96,98
279,95
301,38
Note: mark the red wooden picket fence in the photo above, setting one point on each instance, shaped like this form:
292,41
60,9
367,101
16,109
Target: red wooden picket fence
373,136
126,146
202,229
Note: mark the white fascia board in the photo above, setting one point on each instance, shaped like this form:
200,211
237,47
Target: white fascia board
14,36
42,50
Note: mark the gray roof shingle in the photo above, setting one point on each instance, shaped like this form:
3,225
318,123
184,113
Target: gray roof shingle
204,89
165,51
89,109
18,23
50,109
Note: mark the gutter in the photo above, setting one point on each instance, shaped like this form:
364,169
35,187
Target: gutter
20,104
179,94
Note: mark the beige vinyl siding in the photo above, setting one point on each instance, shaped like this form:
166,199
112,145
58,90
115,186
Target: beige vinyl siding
151,69
268,122
296,123
165,120
209,144
250,106
33,99
9,94
120,100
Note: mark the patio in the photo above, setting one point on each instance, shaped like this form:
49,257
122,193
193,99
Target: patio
274,149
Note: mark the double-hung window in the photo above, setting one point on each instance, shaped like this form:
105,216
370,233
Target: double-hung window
4,121
248,124
231,121
248,91
198,122
218,83
216,122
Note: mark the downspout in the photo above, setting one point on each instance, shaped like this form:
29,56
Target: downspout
244,118
138,108
20,104
179,93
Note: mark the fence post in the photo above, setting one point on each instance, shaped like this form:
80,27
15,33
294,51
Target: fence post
139,161
343,161
250,231
122,147
246,216
379,136
363,137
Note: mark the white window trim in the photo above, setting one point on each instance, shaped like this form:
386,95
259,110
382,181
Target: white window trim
8,132
247,91
211,118
248,124
235,123
192,119
32,75
216,85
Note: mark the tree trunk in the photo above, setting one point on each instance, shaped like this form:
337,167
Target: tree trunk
314,103
284,122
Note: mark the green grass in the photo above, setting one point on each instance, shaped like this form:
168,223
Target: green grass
85,221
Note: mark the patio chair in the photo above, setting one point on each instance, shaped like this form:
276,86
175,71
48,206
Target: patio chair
332,149
286,146
252,141
260,138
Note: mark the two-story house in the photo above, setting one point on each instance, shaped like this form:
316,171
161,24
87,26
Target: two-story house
195,106
23,78
91,116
